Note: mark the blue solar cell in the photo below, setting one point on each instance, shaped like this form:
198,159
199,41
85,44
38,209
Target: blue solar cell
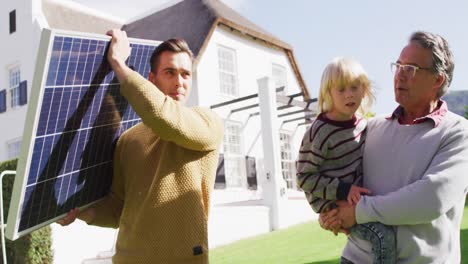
35,161
53,110
64,104
81,115
44,114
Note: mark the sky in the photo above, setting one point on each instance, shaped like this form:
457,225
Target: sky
372,32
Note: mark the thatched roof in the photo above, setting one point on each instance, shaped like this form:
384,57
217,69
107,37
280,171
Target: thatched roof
195,21
68,15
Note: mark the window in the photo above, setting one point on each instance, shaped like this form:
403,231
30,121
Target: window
233,160
12,21
14,149
14,86
278,74
287,163
227,71
2,101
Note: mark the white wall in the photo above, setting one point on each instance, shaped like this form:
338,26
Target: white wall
74,243
18,48
255,60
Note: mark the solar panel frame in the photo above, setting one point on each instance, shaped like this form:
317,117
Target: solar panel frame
38,91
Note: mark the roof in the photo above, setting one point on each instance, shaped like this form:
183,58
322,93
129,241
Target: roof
195,21
68,15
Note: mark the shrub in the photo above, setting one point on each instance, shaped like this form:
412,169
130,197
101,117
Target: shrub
35,247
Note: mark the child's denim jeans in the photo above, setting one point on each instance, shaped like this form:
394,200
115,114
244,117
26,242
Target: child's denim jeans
382,238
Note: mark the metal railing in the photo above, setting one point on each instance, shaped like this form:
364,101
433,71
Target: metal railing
2,221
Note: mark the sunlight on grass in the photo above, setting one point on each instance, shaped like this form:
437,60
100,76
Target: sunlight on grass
301,244
304,243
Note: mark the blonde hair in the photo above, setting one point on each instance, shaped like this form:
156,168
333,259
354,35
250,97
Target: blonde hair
342,72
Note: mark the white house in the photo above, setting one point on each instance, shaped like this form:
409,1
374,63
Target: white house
20,41
231,54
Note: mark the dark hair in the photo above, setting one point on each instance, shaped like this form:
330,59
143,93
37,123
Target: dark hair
442,58
172,45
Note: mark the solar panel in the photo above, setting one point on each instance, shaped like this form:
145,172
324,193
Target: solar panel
75,115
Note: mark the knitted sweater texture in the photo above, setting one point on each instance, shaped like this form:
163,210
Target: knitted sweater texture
164,172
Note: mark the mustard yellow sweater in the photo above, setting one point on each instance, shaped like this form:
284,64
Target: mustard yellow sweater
164,171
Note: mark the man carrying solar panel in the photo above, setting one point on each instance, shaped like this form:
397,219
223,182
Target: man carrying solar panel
164,167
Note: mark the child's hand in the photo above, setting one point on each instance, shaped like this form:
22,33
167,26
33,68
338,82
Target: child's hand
354,194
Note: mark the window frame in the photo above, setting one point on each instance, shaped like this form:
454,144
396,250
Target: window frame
16,143
286,149
234,159
276,80
223,71
14,80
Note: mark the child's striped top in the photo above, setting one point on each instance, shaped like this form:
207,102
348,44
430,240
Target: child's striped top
330,160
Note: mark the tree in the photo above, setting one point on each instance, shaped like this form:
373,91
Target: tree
466,112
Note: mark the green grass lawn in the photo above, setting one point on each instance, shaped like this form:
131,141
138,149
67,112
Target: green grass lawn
301,244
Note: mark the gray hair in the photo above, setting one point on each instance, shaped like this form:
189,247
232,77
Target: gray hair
442,58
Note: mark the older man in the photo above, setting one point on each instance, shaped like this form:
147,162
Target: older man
415,163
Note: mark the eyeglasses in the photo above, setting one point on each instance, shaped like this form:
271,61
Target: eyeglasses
409,70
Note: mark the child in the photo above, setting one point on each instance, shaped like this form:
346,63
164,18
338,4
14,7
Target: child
330,158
